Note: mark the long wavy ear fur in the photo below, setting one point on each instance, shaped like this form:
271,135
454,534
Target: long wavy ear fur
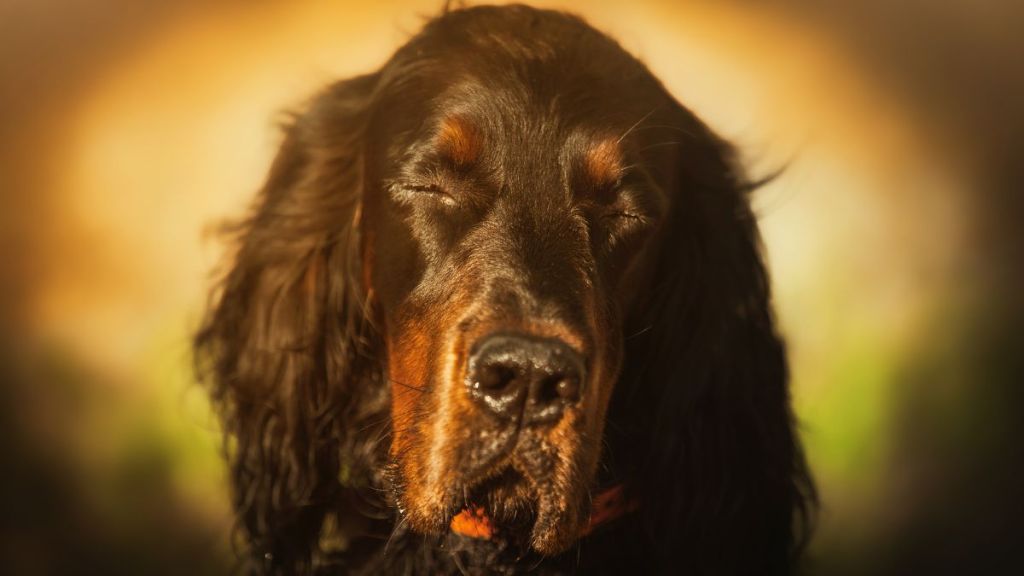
706,387
280,347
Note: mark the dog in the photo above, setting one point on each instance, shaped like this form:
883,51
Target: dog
500,307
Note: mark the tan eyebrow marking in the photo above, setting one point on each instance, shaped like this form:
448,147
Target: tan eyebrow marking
460,140
602,163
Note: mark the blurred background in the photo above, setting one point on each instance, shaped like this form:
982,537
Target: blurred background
130,128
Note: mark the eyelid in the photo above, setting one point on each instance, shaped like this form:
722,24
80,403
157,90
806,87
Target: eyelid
427,189
627,215
430,188
625,204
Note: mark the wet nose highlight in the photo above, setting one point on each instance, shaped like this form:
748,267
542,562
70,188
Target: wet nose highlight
514,375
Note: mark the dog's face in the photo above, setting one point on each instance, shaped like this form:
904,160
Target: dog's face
512,221
512,199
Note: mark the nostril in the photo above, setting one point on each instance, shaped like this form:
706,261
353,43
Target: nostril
568,388
494,378
547,390
555,387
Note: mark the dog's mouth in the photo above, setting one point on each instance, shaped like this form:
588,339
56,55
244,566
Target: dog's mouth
504,503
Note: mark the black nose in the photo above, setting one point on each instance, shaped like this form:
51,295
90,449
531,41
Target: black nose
513,375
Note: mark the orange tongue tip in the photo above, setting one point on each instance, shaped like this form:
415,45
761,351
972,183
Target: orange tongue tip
607,506
473,523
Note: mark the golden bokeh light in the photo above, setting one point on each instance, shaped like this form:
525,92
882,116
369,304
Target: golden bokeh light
867,229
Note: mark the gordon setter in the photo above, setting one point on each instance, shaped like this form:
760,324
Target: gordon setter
500,307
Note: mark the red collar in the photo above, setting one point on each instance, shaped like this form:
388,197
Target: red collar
607,506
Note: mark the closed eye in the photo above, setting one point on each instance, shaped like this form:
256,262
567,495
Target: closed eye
426,188
410,190
619,215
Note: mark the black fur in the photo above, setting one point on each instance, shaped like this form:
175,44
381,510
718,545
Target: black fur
699,428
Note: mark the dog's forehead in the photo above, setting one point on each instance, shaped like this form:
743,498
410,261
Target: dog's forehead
519,70
520,101
468,121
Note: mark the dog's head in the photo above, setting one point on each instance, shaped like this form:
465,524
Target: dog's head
513,179
453,253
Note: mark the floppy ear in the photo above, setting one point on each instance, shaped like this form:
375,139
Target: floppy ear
282,339
720,460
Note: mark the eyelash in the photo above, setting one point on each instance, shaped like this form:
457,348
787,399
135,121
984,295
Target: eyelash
445,197
432,188
625,216
428,190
